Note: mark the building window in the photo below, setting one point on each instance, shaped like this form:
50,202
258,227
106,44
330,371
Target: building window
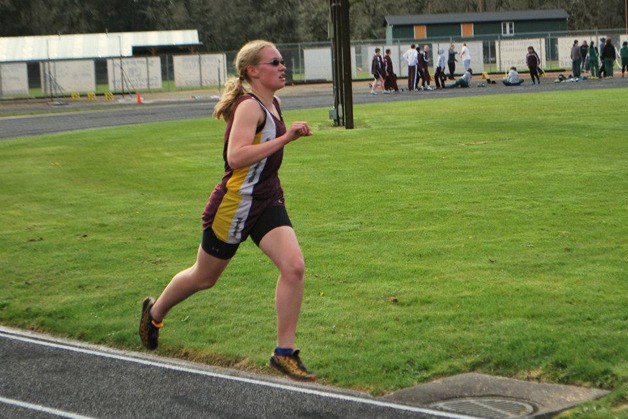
420,31
466,29
508,28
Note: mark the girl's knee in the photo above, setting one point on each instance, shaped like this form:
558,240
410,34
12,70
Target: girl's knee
204,280
294,269
207,283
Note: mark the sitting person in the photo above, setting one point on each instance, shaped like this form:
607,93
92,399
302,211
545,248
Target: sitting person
462,81
512,79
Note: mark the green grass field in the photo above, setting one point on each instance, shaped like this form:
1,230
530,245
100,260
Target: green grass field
483,234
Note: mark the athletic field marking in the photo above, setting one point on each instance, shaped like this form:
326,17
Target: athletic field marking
43,409
284,387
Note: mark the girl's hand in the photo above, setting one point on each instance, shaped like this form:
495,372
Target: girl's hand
298,130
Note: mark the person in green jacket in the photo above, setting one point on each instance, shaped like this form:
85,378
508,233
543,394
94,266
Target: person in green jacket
594,60
623,53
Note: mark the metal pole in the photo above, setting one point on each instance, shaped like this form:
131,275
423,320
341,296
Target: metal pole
47,67
341,60
219,77
301,69
346,66
121,69
168,76
334,8
147,74
200,70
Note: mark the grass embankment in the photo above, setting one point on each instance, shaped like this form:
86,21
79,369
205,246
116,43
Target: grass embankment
478,234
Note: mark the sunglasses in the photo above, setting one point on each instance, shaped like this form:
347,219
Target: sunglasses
276,62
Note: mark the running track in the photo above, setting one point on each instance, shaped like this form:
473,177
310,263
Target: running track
317,96
42,378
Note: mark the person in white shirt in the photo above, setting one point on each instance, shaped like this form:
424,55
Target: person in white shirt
466,56
512,79
462,81
412,57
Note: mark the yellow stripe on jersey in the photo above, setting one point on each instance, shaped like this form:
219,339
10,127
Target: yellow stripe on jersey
234,208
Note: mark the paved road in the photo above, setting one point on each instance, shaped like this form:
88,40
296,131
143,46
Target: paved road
39,117
42,378
77,115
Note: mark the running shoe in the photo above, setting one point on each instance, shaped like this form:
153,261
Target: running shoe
149,328
292,366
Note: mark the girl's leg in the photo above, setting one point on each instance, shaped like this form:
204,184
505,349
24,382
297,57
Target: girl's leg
202,275
282,247
608,65
531,74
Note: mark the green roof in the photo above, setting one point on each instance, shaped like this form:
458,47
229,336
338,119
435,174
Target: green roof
475,17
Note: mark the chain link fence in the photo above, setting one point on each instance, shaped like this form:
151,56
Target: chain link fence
306,63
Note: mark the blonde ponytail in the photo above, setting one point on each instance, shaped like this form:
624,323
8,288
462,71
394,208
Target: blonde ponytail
235,86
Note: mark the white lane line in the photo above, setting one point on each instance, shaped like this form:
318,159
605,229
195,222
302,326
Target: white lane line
303,390
44,409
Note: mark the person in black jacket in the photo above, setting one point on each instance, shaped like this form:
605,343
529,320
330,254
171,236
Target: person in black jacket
451,60
608,57
378,71
424,68
534,62
584,52
390,81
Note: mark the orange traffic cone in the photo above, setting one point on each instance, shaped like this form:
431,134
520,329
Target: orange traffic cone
138,99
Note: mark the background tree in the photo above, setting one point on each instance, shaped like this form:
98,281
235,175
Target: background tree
313,17
227,24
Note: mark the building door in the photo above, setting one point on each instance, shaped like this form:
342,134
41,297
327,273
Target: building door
420,32
466,29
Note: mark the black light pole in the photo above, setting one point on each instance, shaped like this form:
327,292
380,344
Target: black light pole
341,60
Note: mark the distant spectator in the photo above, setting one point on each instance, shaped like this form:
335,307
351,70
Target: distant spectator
608,57
378,71
533,61
584,51
466,56
463,81
390,81
451,60
576,59
439,74
594,60
623,53
412,58
424,68
512,79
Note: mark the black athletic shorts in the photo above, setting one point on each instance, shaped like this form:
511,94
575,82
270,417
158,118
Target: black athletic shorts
271,218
